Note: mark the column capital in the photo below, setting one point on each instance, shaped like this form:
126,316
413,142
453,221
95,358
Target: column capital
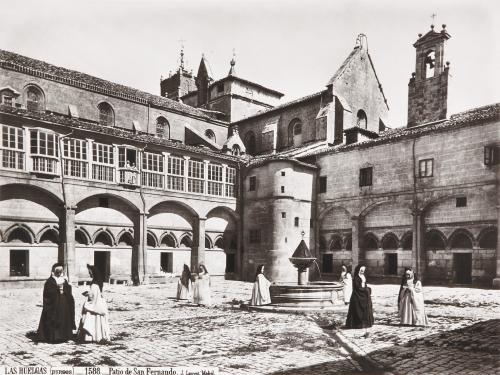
201,218
70,207
417,211
355,217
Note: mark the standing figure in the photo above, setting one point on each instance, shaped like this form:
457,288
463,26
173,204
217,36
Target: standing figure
360,314
346,280
185,284
58,315
201,287
411,300
260,292
94,325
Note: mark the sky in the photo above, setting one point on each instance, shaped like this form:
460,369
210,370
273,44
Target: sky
288,45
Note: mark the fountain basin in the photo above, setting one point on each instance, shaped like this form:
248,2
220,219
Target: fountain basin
312,295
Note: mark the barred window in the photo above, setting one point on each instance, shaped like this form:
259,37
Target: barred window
43,143
175,172
12,150
162,128
365,176
196,176
75,157
106,114
34,99
426,167
214,179
152,162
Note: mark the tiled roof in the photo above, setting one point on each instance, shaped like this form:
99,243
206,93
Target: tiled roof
27,65
236,78
463,119
282,106
78,124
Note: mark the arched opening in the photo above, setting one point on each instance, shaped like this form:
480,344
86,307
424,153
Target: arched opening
429,64
361,121
370,242
322,244
126,239
219,243
336,244
390,242
461,240
348,243
407,241
250,143
295,133
151,240
106,114
435,240
168,240
208,243
296,221
50,236
34,99
209,133
20,235
488,240
186,242
80,237
236,150
103,239
162,128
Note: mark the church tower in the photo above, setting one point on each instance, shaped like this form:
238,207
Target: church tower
428,87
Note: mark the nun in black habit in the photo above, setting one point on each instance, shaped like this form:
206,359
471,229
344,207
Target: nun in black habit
58,314
360,314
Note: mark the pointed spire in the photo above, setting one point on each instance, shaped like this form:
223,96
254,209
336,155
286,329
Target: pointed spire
232,70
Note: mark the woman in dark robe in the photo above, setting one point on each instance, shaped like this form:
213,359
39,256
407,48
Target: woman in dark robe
58,314
360,314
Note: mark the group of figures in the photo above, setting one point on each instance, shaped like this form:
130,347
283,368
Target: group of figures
57,322
357,294
195,287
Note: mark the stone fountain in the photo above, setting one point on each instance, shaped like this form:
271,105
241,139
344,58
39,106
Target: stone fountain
304,296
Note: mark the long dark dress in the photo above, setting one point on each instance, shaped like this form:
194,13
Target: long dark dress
58,315
360,314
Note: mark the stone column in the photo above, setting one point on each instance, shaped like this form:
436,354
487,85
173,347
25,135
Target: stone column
418,249
139,252
198,250
68,244
496,280
356,243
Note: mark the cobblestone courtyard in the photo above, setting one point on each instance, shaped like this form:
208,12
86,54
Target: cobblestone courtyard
150,328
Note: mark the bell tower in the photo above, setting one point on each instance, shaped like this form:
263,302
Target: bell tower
428,86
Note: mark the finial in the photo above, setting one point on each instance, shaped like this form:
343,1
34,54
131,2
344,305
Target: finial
232,71
420,35
181,65
432,27
444,26
433,16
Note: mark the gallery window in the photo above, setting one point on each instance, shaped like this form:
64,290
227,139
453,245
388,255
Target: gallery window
365,176
426,168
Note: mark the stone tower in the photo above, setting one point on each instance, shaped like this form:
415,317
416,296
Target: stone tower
428,87
178,84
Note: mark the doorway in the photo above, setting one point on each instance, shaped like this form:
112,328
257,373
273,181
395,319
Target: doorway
391,264
462,267
101,262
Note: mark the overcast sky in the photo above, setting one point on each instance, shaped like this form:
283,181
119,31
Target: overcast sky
291,46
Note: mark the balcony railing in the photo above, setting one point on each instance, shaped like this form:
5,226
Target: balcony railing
44,164
128,176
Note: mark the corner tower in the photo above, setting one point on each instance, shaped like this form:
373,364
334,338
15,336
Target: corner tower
428,87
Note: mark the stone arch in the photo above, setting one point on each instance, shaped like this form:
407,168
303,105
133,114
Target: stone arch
361,119
43,197
48,233
407,241
389,241
103,236
151,239
85,203
487,238
461,239
336,243
20,233
125,237
168,239
82,236
348,242
219,242
162,128
186,241
174,207
295,130
327,210
208,242
370,241
106,114
220,210
435,240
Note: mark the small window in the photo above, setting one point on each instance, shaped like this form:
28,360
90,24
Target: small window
296,222
106,114
322,184
283,215
461,202
166,262
34,99
361,121
236,150
7,100
491,155
282,173
104,202
209,133
254,236
426,168
19,265
220,88
252,183
430,61
365,176
282,189
162,128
